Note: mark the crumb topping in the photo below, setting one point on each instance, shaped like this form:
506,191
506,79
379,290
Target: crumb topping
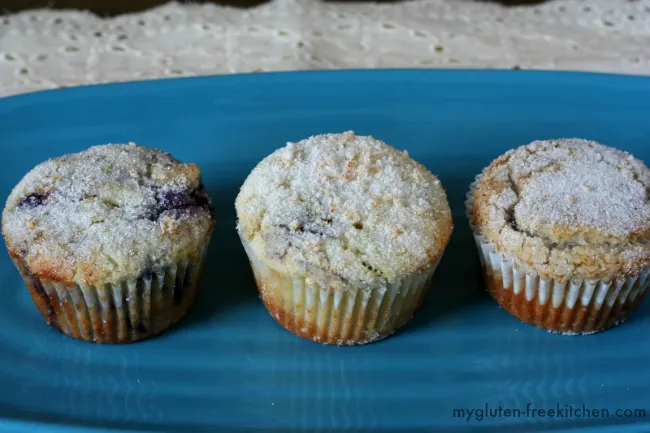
107,214
346,204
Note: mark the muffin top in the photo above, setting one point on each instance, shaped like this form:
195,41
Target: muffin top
568,208
349,206
107,214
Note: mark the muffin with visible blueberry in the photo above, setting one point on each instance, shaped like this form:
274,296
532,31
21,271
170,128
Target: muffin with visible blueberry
563,230
344,234
110,241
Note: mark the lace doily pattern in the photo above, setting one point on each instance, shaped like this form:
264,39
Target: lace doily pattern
44,49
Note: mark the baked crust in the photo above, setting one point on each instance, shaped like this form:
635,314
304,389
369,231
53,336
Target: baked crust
579,319
567,209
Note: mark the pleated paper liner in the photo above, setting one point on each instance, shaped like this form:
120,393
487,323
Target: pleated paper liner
116,313
326,315
568,307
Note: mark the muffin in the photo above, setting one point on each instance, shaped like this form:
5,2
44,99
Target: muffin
563,232
110,241
343,233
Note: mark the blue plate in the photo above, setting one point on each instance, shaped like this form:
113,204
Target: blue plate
228,366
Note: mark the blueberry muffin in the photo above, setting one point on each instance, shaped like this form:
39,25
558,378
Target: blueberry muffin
343,233
563,231
110,241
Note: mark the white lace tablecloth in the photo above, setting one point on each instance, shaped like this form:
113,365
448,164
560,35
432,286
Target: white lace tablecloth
43,49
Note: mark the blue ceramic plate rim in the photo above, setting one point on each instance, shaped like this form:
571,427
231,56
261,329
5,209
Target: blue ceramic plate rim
531,75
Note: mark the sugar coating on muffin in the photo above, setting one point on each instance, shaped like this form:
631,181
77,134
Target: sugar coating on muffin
107,214
350,206
568,208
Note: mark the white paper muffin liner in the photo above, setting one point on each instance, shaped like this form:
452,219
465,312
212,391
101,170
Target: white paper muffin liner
569,307
117,313
312,310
